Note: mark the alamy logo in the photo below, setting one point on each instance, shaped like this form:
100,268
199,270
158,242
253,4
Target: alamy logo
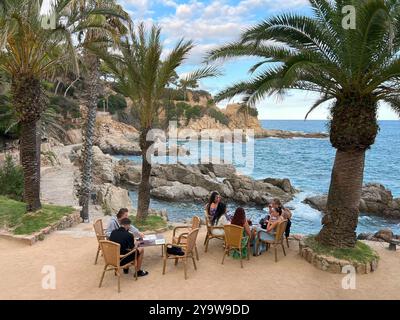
49,279
47,15
349,20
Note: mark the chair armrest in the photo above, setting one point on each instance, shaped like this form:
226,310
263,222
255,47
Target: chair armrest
129,253
179,227
182,235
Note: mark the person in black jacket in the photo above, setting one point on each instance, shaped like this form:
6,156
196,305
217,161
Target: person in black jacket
127,243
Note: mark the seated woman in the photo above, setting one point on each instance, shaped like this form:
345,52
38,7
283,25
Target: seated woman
220,219
212,204
269,232
240,220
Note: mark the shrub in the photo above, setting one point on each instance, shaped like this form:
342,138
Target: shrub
116,103
11,179
218,116
193,113
65,106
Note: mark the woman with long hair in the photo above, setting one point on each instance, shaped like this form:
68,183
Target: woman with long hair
220,219
212,204
239,219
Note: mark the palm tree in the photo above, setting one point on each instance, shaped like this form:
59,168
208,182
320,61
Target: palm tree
28,54
354,69
101,25
143,76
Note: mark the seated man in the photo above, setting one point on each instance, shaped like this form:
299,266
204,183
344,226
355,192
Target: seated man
115,224
127,243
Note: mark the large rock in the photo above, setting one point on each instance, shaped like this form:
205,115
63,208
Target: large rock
128,173
317,202
115,137
375,200
284,184
74,136
112,198
384,234
179,192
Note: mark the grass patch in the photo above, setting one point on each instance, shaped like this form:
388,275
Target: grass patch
360,253
14,218
150,224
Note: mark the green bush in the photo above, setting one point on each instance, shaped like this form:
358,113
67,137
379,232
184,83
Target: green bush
116,103
65,106
11,179
193,113
218,116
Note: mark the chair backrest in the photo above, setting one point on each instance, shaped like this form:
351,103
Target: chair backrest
208,222
191,240
233,235
280,229
195,222
111,251
98,229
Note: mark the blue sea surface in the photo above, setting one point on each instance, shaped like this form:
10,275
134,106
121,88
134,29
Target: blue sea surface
308,164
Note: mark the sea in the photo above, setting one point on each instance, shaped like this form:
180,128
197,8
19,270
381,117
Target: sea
308,164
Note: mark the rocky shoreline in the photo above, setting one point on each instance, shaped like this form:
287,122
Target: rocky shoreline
375,200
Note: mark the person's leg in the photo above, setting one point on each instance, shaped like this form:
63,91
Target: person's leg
140,258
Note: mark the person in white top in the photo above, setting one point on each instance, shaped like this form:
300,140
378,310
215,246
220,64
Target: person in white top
220,219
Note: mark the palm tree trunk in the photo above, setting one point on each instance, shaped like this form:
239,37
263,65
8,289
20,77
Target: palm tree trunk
30,161
88,134
28,101
340,221
144,187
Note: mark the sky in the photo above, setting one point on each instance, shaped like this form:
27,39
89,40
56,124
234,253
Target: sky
211,23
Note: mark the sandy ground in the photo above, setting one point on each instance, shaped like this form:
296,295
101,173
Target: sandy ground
72,255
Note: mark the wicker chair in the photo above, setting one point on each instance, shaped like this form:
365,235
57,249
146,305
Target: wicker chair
210,232
278,241
187,248
233,241
182,237
112,258
100,235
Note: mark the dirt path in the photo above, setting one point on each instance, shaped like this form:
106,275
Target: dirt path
261,278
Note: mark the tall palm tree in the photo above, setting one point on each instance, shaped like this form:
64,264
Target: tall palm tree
28,54
354,69
142,76
102,23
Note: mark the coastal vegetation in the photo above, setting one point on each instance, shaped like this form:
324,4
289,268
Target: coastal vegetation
14,217
354,69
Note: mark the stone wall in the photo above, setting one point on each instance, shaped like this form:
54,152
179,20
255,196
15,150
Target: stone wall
332,264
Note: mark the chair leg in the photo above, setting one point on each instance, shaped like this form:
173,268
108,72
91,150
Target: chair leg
284,252
276,254
208,240
225,253
102,276
197,253
97,254
176,261
287,242
119,281
164,264
205,239
185,267
194,263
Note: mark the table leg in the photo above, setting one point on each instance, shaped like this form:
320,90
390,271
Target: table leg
162,250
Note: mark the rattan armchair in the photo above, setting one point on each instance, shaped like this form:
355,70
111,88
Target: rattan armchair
187,248
278,240
210,232
233,241
181,238
112,258
100,235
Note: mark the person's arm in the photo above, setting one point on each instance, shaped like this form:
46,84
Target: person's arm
135,232
271,226
247,229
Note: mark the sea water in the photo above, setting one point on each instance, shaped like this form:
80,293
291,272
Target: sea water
308,164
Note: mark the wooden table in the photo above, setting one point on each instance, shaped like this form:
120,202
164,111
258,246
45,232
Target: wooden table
159,240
